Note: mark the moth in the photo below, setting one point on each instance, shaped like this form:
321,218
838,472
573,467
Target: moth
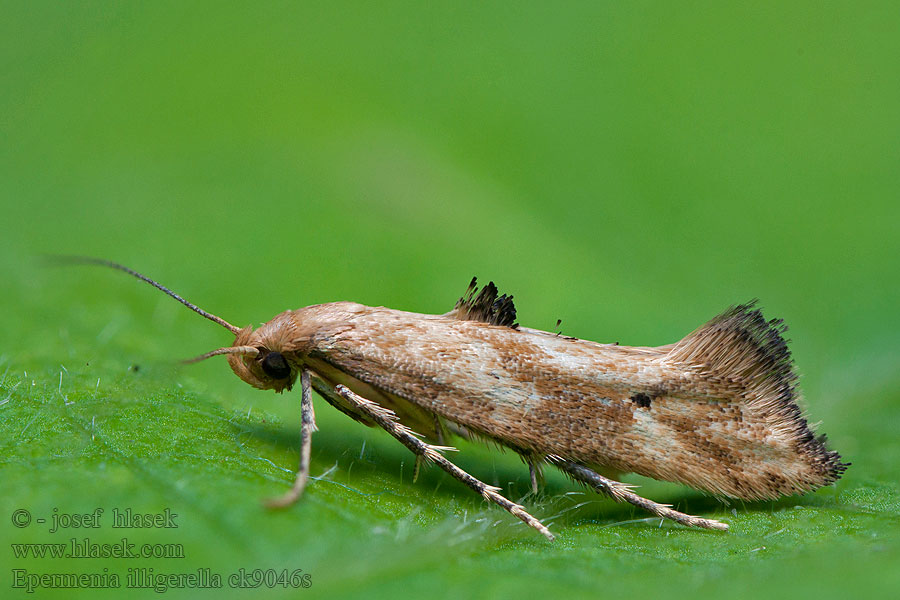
717,411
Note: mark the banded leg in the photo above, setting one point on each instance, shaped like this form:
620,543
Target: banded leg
388,421
621,492
307,427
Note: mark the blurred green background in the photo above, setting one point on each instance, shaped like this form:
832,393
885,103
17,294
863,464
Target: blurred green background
629,168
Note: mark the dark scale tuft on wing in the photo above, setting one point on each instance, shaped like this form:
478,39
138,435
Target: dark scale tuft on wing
486,306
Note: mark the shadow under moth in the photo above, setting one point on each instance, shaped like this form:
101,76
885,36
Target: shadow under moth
717,411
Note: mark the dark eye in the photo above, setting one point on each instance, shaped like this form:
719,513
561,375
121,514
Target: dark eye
275,366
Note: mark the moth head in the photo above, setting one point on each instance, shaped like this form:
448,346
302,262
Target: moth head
258,362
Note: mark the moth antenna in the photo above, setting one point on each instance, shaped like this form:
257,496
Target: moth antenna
246,350
108,263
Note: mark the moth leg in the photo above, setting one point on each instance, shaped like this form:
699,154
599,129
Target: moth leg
534,470
621,492
417,467
307,427
388,421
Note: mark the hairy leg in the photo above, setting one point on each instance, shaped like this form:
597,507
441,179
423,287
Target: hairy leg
622,493
387,420
307,427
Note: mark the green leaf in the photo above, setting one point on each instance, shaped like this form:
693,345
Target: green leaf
631,169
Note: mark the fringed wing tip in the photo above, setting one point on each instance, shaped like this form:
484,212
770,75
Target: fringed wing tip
741,345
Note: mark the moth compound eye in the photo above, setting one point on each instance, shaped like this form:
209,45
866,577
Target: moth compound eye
275,366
